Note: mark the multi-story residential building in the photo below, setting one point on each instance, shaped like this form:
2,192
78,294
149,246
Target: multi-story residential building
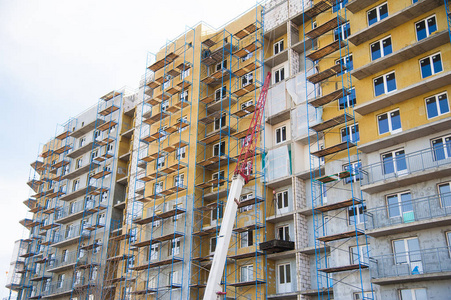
350,190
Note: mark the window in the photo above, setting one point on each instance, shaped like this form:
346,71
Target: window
212,245
278,47
425,27
219,149
394,162
378,13
47,284
347,64
184,96
282,201
216,214
381,48
174,277
165,85
164,105
342,32
384,84
279,75
101,219
179,179
104,196
81,142
413,294
400,205
221,66
218,175
75,184
407,251
448,240
248,56
284,272
79,163
94,154
247,273
281,134
175,246
246,104
357,252
431,65
356,214
247,79
109,148
350,133
323,189
389,122
160,161
442,148
93,275
156,223
339,4
60,282
246,238
283,233
437,105
96,134
154,252
184,74
181,153
444,190
220,122
348,100
158,187
244,198
220,93
355,170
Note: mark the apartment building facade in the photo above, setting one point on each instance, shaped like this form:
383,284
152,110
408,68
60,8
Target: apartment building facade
350,192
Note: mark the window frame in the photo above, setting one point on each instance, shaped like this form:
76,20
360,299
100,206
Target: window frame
348,129
440,194
385,84
431,64
381,48
278,46
247,79
246,238
395,161
437,105
428,33
446,147
279,74
279,134
399,203
378,14
390,122
342,32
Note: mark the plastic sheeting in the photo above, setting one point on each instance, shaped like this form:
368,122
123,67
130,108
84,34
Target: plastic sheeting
278,163
299,124
277,100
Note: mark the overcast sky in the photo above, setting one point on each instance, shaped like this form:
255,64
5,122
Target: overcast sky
57,57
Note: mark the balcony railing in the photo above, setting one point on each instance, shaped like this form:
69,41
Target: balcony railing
70,210
58,287
75,231
408,211
403,165
65,260
411,263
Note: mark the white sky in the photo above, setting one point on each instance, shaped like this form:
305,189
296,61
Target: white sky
57,57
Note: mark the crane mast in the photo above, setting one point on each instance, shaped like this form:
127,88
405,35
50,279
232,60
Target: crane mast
241,176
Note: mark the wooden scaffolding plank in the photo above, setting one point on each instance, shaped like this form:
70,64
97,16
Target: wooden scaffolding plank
329,49
338,205
326,27
326,74
323,100
340,236
332,150
335,121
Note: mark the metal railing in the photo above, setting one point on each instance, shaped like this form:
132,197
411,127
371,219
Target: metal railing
404,165
72,233
58,287
413,263
70,210
65,260
409,211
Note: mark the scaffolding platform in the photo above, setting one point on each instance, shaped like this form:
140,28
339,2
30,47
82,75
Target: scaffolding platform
109,110
63,135
333,149
344,268
335,121
246,255
215,136
62,149
340,236
338,205
247,283
325,51
211,183
217,55
326,74
244,90
326,99
326,27
248,227
169,58
110,95
248,49
333,177
246,31
107,125
244,111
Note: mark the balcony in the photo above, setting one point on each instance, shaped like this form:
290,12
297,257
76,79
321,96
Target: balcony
422,265
70,213
77,172
86,128
78,193
274,246
393,20
412,168
413,215
421,87
73,235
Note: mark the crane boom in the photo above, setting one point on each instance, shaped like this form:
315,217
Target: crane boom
241,176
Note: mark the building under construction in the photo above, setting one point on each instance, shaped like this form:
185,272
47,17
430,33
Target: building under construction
127,199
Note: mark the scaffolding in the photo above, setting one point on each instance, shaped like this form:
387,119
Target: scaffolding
231,77
335,167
